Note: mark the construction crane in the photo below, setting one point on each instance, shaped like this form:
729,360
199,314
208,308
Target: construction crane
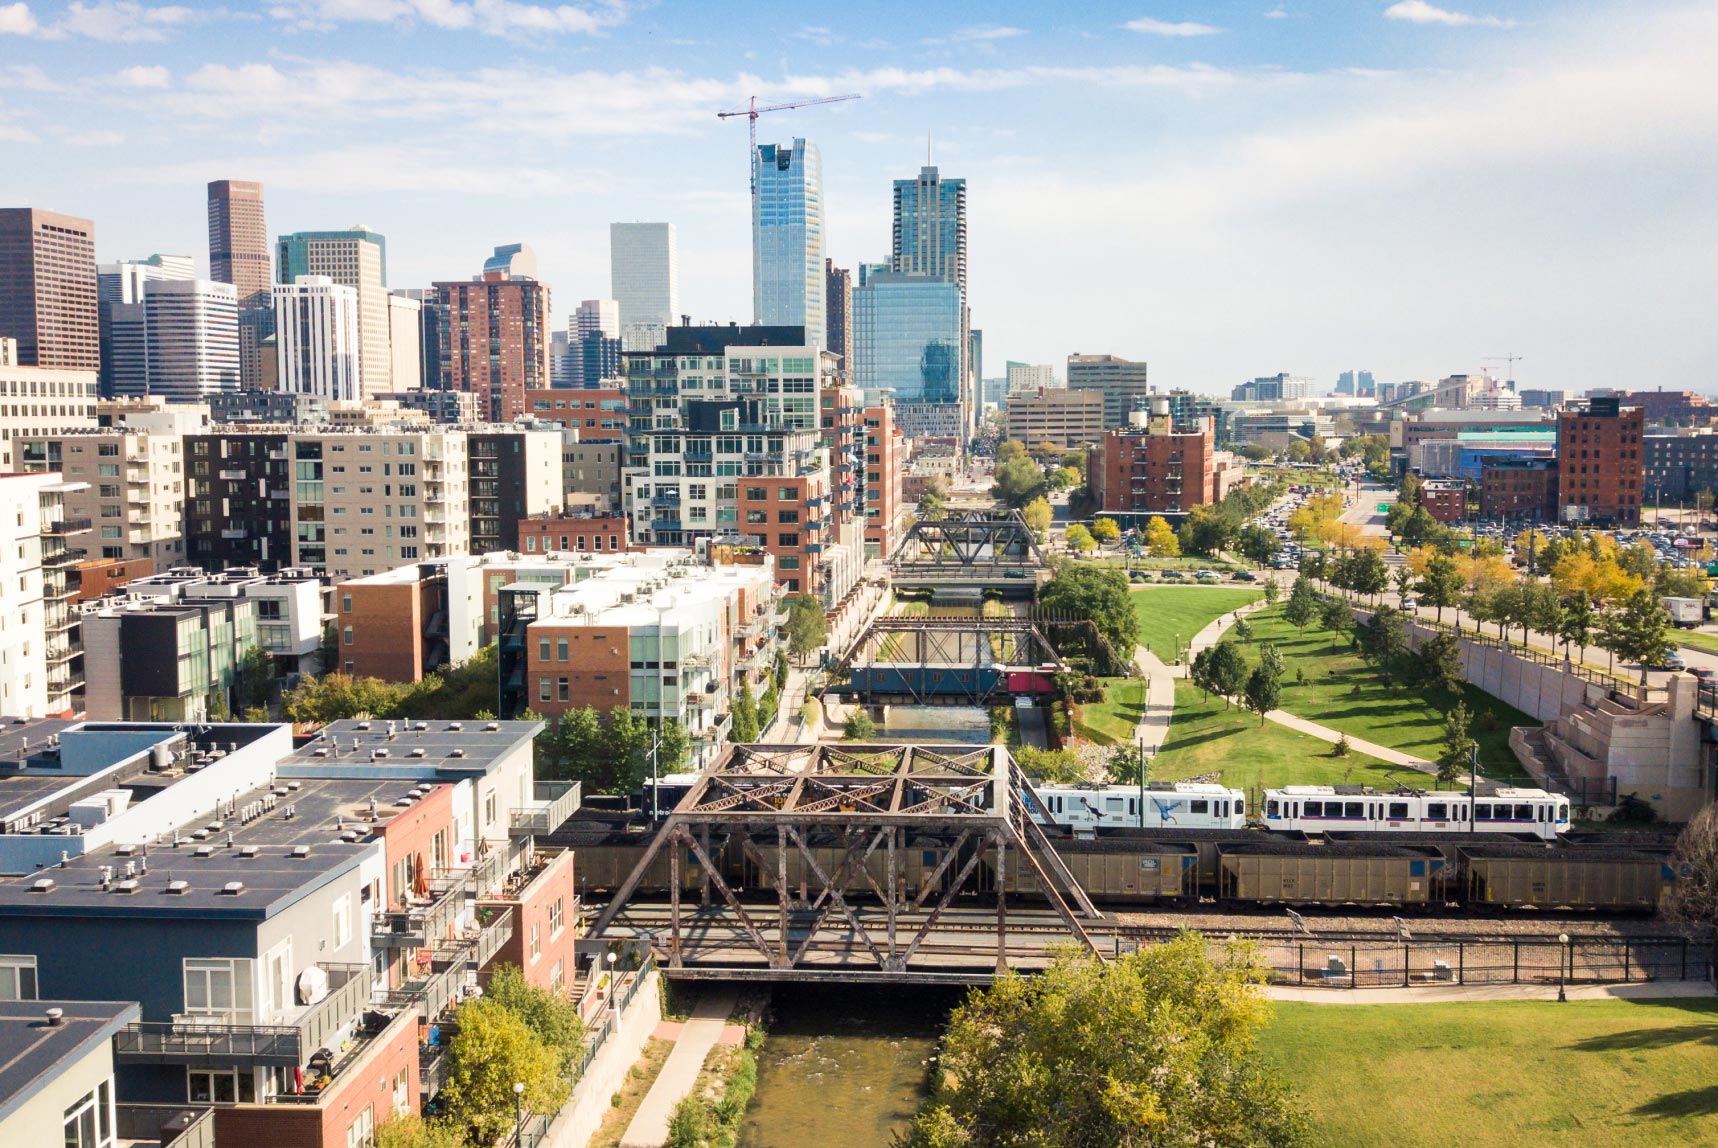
1510,358
753,112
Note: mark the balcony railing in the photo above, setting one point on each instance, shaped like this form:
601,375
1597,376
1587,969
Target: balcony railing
491,937
189,1040
65,526
432,993
552,802
420,925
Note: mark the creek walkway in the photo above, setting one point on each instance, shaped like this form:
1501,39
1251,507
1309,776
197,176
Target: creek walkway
696,1037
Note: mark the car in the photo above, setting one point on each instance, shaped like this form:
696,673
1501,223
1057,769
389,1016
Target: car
1707,675
1672,661
1206,576
1243,576
1014,573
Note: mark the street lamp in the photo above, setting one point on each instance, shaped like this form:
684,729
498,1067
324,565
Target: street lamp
518,1111
1562,966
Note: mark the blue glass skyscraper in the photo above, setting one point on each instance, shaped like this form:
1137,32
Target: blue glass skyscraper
787,239
907,337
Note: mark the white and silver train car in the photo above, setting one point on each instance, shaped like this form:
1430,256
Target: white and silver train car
1322,808
1181,805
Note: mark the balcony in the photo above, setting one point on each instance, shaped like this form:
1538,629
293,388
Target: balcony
66,526
420,925
699,700
137,497
199,1040
666,499
232,475
165,1125
234,533
716,731
552,802
490,938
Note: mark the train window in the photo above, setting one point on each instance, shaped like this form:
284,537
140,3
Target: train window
1241,806
1437,811
1355,809
1199,807
1481,811
1132,806
1271,807
1524,813
1113,804
1055,805
1562,812
1315,809
1398,809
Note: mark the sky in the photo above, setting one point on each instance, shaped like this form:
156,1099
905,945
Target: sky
1223,189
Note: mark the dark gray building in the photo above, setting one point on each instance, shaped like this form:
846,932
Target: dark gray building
238,502
1679,466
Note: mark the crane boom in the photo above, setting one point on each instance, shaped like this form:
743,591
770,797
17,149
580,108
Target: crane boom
752,112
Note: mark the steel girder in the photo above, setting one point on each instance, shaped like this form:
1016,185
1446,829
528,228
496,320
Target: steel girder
969,541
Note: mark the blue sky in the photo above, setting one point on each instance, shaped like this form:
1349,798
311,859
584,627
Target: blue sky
1222,189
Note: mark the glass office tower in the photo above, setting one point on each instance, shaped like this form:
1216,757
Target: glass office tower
787,240
907,337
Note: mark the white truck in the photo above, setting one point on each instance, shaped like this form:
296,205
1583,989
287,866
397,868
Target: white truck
1684,612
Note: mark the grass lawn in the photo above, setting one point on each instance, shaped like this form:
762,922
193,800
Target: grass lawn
1411,721
1165,611
1504,1074
1706,642
1206,738
1112,721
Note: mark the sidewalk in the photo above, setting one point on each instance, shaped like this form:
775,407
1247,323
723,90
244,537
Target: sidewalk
649,1127
1358,745
1448,994
1153,727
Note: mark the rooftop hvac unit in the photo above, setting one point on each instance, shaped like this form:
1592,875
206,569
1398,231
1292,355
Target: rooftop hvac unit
301,851
248,851
128,886
418,751
178,888
456,752
205,851
42,885
232,888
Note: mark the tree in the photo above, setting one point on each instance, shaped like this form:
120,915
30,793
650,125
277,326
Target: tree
1037,516
1079,538
1019,481
1336,617
1441,585
1576,628
1693,896
1125,766
1242,630
255,678
491,1050
1206,531
778,669
1259,545
1264,691
1097,593
1271,658
1156,1047
1105,530
1437,664
1065,478
673,747
1302,604
1160,538
1047,451
745,713
1368,575
1640,560
858,726
1384,638
553,1017
1272,591
1403,580
807,625
1009,450
1228,670
410,1130
1457,755
1643,632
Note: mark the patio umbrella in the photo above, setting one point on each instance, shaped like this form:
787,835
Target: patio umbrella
420,878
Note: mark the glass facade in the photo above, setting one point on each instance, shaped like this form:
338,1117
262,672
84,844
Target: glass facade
907,338
787,239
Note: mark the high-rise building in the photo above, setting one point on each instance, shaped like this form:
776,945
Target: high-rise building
975,358
514,475
119,296
316,338
1601,463
907,343
929,238
406,341
1030,377
238,238
40,655
1344,383
561,359
594,347
179,342
495,339
37,401
357,258
1122,382
597,315
130,488
47,289
838,302
1275,388
1066,417
787,240
644,273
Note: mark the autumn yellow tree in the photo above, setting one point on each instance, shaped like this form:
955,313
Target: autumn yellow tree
1160,538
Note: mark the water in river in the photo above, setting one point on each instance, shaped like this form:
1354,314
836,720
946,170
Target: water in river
968,725
843,1068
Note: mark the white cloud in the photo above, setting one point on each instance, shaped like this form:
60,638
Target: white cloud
144,76
1170,28
1420,12
1277,13
17,20
986,32
492,17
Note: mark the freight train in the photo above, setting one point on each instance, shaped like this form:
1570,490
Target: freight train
1172,867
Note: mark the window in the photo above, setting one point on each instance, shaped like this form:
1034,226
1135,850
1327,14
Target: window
1314,809
1482,812
362,1133
89,1122
562,691
402,1093
560,649
557,918
345,603
1398,810
1437,811
347,636
536,942
342,921
542,649
219,1086
17,978
557,977
489,810
543,689
1200,806
218,987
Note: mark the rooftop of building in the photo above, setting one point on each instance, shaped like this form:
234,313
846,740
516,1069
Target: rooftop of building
37,1044
423,750
260,854
591,564
638,596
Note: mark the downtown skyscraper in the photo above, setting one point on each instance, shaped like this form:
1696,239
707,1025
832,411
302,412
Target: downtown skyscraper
644,279
787,239
356,258
929,240
238,254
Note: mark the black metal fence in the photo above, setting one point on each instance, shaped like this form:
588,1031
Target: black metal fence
1540,961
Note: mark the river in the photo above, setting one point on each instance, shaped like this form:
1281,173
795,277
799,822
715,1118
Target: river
843,1067
914,725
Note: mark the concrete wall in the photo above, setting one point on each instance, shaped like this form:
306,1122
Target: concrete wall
584,1112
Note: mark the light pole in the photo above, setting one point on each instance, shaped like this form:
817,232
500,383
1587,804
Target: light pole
1562,966
518,1112
612,1007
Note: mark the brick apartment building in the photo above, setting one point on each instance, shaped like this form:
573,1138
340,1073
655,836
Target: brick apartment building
1444,499
1601,464
597,413
885,460
1153,470
1518,489
578,535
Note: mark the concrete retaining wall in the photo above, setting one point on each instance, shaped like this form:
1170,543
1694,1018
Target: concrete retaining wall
583,1114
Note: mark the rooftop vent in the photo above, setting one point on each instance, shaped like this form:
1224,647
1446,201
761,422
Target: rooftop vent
380,753
456,752
455,726
323,752
350,836
418,751
128,886
248,851
294,785
363,725
421,726
178,888
403,801
301,851
232,888
42,885
126,851
205,851
493,727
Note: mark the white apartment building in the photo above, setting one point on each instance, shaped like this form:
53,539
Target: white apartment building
40,400
317,343
406,341
1031,377
39,648
131,487
187,332
644,273
365,501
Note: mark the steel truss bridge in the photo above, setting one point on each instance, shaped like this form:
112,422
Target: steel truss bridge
970,549
904,828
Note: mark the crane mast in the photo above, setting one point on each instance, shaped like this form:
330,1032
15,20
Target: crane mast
753,111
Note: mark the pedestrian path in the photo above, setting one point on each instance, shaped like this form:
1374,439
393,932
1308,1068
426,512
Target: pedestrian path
1466,994
1358,745
649,1127
1153,726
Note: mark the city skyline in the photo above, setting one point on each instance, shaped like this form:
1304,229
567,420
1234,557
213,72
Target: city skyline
1412,186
